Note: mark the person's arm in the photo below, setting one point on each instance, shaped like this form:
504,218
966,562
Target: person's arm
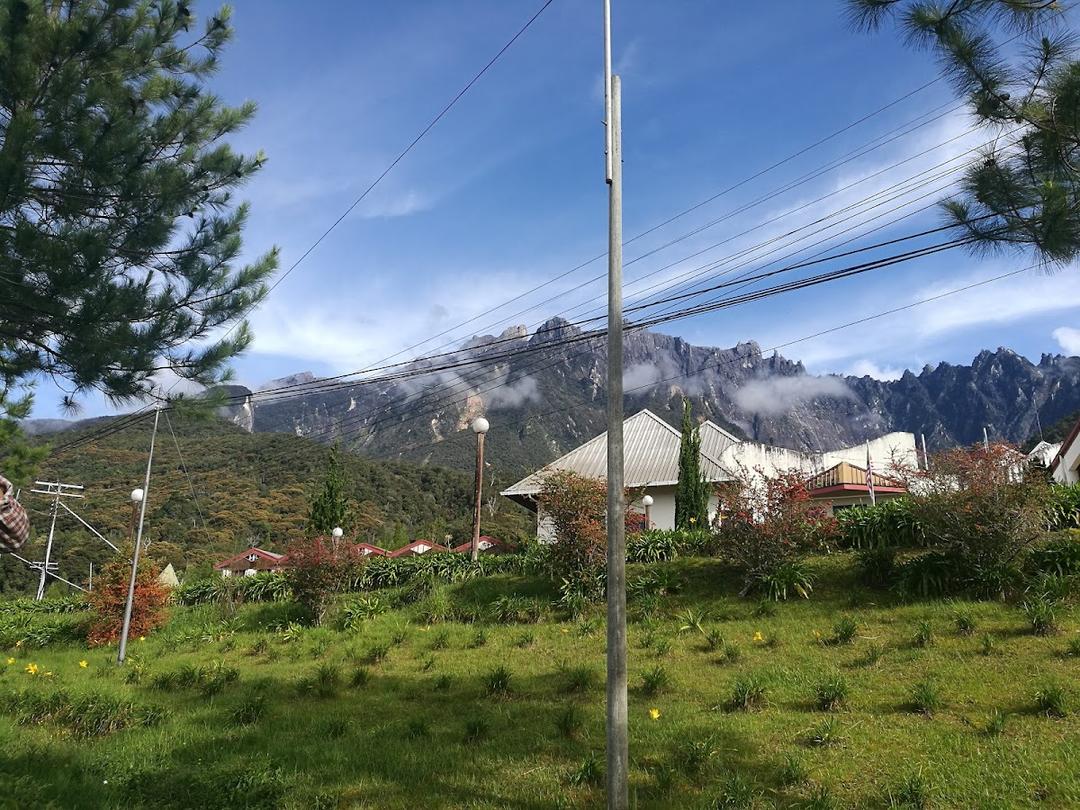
14,522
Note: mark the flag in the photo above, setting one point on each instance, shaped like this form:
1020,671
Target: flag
870,476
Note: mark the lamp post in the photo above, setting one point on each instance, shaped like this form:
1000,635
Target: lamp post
479,427
136,499
336,534
647,502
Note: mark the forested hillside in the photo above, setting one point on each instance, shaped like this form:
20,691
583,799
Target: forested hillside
251,488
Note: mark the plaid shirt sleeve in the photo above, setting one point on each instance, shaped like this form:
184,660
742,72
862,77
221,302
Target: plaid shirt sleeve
14,524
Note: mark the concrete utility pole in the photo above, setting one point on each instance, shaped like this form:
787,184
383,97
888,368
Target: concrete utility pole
925,455
58,491
144,495
986,439
618,745
480,428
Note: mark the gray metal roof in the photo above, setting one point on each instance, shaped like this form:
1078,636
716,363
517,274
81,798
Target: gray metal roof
650,452
715,440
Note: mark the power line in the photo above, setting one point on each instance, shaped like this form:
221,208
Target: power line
183,466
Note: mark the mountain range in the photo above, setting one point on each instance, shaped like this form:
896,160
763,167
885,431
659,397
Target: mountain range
543,393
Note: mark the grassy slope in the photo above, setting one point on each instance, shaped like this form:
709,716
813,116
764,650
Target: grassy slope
360,747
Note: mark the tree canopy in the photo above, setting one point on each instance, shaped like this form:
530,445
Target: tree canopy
1014,62
120,237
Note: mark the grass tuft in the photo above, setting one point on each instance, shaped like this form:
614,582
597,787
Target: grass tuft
831,693
655,680
497,682
735,793
748,693
1052,700
925,698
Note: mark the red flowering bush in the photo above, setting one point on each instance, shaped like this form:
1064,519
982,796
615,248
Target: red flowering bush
766,526
109,598
982,509
577,510
319,568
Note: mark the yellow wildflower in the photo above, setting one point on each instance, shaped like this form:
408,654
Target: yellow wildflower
31,669
654,713
142,638
11,661
18,643
47,674
83,664
693,520
565,630
758,636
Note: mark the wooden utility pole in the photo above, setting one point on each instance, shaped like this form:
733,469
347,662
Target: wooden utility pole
618,744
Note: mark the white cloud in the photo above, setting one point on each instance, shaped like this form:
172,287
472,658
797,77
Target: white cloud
640,375
1068,338
868,368
779,394
387,206
512,395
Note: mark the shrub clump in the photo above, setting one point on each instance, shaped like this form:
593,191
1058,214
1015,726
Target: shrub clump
109,598
769,525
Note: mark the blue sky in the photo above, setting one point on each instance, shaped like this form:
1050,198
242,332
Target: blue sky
508,190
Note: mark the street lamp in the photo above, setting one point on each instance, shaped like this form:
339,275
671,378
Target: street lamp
479,427
336,534
647,502
136,499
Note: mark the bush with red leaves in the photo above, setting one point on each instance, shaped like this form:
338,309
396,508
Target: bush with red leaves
109,598
318,569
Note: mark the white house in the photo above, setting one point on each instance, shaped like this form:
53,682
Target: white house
651,464
1066,464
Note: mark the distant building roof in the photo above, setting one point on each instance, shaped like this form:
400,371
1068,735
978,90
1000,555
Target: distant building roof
486,544
262,554
367,548
650,451
847,477
417,547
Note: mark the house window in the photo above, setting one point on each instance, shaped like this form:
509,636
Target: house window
252,557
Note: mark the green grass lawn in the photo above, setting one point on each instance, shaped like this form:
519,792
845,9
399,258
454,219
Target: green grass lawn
396,713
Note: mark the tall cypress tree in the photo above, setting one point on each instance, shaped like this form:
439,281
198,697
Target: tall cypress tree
692,491
330,508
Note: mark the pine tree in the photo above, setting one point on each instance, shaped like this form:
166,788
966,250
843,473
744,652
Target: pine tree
1024,189
119,233
330,508
692,491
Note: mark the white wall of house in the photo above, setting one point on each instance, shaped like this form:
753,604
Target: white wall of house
1067,470
885,451
661,513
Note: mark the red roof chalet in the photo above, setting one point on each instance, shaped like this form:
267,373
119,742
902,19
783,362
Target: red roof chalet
368,550
252,561
416,548
488,545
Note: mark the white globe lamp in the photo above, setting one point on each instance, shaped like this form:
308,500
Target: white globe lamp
480,425
647,502
337,532
136,495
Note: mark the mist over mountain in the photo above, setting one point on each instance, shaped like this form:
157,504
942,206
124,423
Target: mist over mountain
544,397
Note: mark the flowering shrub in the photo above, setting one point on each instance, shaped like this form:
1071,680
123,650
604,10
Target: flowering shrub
109,598
319,568
577,508
982,510
765,528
